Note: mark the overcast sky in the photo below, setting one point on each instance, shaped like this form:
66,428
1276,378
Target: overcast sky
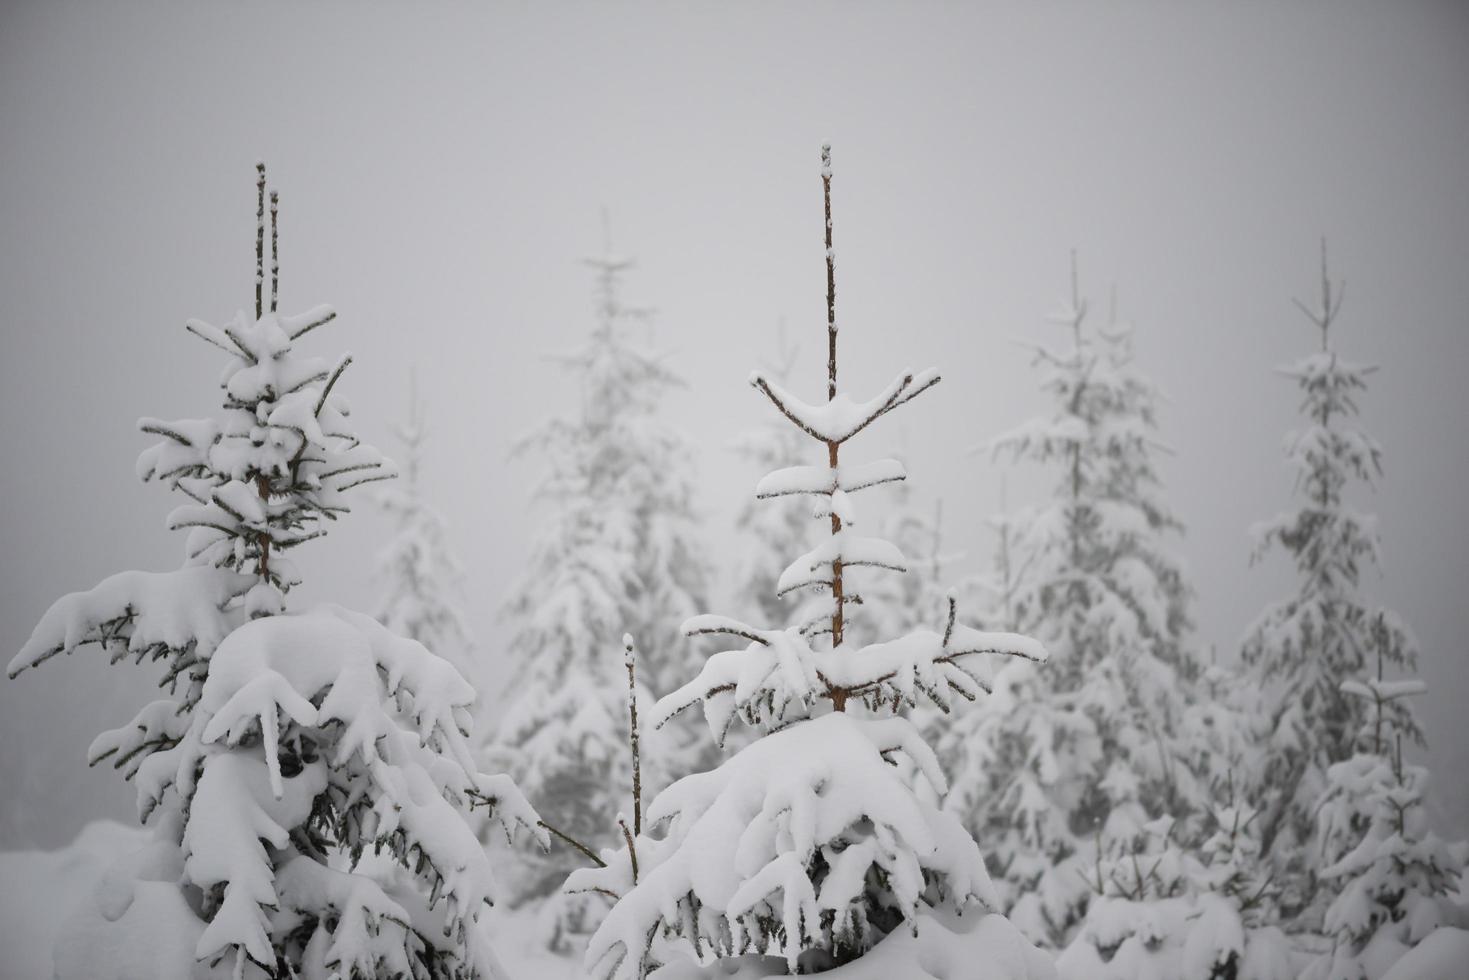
442,169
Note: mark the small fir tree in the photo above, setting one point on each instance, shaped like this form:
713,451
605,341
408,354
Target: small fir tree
807,846
307,774
617,552
1161,908
1092,753
1301,650
1394,879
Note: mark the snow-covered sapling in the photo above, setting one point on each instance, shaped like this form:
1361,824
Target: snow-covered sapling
809,847
1301,650
1086,752
616,552
308,774
1395,879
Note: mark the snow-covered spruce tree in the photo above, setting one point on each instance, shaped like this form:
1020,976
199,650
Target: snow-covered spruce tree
307,774
616,553
808,850
421,576
1394,878
1163,909
1301,650
1089,754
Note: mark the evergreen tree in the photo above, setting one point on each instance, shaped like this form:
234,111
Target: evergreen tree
617,553
420,574
290,743
1162,909
1089,755
1393,877
1300,650
808,847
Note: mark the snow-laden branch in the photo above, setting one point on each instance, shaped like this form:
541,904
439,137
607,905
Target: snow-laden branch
823,480
841,418
779,676
742,841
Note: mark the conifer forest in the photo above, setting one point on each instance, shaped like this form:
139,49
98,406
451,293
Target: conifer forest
641,491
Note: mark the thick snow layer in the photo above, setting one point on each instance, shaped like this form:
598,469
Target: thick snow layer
1443,955
379,705
1172,939
138,613
946,947
815,566
848,478
38,888
1374,690
742,839
519,938
776,678
839,419
138,924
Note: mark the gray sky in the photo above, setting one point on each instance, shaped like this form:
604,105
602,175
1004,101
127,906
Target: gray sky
442,168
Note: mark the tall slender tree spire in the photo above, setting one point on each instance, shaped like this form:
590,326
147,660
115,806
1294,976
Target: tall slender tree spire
259,238
838,613
275,257
1300,651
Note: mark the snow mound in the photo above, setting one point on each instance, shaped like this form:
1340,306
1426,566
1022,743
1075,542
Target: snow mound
40,886
1443,955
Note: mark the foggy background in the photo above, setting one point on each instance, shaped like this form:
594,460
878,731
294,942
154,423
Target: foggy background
442,169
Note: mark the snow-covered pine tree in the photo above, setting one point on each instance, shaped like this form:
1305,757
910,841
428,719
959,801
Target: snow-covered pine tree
421,576
807,848
617,553
1089,755
1160,908
1394,878
290,744
1300,650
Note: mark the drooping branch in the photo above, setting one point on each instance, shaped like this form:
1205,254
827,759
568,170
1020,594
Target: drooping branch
707,625
573,842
